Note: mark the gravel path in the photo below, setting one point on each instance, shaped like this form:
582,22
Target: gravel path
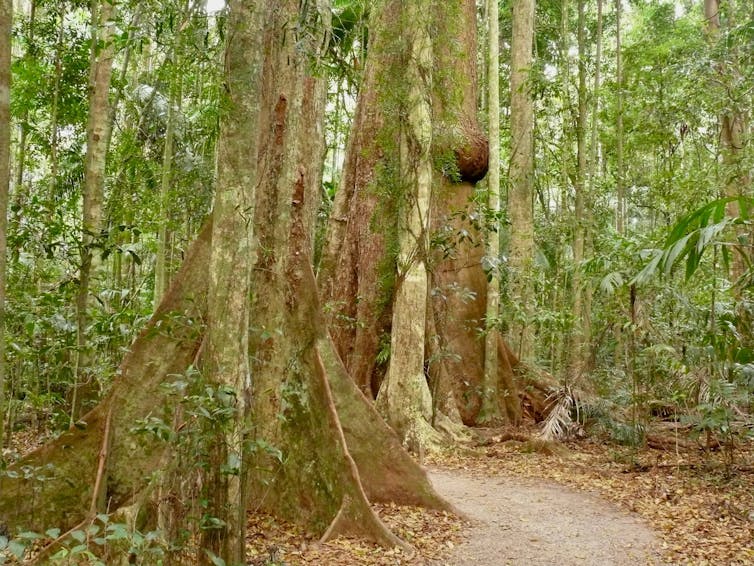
533,522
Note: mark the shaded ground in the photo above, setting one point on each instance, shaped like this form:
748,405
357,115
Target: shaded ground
532,522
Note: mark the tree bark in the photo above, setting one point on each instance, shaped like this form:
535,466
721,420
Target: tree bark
404,398
6,28
227,356
294,408
620,213
359,272
292,405
97,134
733,133
490,410
174,95
520,198
579,337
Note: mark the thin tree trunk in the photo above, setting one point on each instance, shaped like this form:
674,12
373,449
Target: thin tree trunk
161,271
594,151
161,278
98,127
54,111
6,27
580,221
620,189
733,131
20,192
564,177
520,199
620,214
490,407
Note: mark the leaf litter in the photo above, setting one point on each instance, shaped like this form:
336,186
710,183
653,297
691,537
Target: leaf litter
701,513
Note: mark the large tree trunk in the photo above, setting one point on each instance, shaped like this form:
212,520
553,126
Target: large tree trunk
456,356
292,405
227,354
359,273
296,411
404,397
60,491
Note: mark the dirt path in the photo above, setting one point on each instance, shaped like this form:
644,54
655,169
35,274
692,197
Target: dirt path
531,522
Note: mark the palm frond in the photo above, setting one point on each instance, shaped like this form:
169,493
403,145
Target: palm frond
559,423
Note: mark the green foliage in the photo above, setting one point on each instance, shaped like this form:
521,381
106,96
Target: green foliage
50,106
87,545
697,232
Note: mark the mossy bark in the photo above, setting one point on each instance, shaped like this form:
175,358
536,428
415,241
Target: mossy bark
521,193
292,405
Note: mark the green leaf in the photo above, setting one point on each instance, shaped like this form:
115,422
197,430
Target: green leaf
17,548
649,270
675,251
78,549
611,282
117,531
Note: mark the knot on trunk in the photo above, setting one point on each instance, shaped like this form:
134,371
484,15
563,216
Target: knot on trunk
469,149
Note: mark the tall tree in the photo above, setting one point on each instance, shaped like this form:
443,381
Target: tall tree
6,28
97,136
404,396
620,189
161,274
227,357
581,205
520,196
734,129
360,273
490,408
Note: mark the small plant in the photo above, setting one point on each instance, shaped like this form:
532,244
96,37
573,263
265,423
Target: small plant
718,419
87,546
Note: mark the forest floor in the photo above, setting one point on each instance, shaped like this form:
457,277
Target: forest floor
530,503
580,503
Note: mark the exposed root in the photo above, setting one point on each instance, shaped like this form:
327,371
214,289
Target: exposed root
359,521
457,432
422,439
388,473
